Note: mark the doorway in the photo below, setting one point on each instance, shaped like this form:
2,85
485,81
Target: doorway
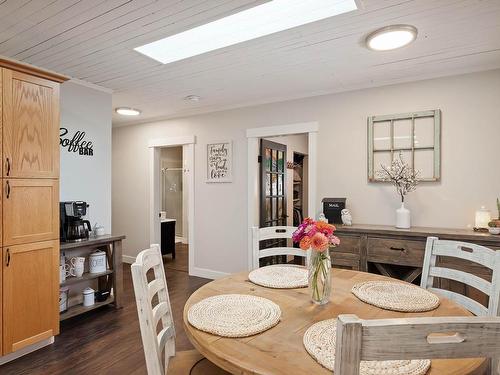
308,164
171,201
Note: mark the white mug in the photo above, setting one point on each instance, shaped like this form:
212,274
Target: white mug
62,272
77,266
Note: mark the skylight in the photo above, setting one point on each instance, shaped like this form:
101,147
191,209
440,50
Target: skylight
268,18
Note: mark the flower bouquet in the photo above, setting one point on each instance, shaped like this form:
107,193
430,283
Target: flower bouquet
318,236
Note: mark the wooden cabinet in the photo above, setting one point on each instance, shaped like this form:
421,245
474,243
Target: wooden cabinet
30,126
29,205
30,210
30,294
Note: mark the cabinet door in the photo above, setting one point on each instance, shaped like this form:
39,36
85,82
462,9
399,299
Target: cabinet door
30,294
30,126
30,210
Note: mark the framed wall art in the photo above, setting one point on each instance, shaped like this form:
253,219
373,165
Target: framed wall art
416,136
220,161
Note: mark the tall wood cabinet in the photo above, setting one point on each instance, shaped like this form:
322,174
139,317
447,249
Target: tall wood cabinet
29,204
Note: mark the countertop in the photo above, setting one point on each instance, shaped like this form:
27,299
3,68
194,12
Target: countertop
92,241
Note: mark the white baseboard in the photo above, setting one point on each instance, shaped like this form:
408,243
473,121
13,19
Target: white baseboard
26,350
207,274
128,259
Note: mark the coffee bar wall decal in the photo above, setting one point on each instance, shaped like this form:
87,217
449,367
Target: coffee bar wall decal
219,161
76,143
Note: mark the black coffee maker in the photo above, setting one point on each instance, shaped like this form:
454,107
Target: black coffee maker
73,227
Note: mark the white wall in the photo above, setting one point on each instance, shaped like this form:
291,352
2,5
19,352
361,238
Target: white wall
470,135
87,178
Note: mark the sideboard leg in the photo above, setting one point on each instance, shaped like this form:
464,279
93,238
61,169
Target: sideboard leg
118,273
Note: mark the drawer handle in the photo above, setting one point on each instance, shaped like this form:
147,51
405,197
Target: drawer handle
8,189
397,248
7,260
8,166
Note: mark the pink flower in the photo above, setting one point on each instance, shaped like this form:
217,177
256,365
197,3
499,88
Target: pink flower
319,242
334,240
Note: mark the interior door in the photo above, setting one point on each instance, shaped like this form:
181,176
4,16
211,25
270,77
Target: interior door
273,193
30,210
30,294
30,126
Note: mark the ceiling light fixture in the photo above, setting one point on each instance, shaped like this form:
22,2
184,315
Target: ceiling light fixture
193,98
391,37
127,111
265,19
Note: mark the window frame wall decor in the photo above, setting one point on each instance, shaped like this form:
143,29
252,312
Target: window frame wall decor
413,149
228,160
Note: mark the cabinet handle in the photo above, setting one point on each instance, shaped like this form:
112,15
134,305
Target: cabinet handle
7,258
398,248
8,167
8,189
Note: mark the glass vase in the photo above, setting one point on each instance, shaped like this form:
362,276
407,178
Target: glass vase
320,284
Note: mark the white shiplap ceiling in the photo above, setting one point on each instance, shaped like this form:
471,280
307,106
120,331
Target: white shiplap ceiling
93,40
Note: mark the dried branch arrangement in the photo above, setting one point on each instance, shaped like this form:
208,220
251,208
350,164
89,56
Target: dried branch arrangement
401,175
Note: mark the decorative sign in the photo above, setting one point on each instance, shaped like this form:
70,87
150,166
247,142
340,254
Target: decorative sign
77,143
219,161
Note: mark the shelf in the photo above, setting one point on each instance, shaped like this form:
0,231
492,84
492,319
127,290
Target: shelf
86,276
297,182
297,200
80,309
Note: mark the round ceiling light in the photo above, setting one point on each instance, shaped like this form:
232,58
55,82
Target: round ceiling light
193,98
127,111
391,37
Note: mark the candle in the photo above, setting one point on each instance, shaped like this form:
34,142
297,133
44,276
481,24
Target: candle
483,217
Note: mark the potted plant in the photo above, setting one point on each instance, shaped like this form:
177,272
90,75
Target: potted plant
405,180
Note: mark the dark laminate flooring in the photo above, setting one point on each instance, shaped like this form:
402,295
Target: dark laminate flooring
106,341
181,261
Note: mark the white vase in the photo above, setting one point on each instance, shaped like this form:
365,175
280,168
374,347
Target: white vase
403,217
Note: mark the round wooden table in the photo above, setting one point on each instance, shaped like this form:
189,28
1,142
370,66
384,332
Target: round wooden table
279,350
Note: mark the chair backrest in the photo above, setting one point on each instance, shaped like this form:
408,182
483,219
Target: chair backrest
470,252
271,233
413,338
158,341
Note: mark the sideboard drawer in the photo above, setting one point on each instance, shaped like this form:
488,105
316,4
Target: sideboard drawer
345,260
348,244
393,251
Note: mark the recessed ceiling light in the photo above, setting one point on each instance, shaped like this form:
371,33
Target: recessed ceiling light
193,98
265,19
391,37
126,111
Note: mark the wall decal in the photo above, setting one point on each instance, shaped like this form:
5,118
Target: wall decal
219,161
77,144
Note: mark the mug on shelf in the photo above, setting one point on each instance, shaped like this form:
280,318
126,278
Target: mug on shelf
76,266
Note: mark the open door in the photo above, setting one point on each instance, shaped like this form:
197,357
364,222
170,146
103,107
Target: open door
273,192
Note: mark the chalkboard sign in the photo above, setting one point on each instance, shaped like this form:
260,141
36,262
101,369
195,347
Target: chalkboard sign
219,161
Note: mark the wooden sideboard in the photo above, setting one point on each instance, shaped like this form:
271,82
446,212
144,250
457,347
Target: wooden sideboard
399,253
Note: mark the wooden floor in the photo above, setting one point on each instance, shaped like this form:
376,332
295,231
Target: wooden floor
181,261
106,341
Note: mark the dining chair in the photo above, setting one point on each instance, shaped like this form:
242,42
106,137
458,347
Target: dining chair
470,252
414,338
156,322
272,233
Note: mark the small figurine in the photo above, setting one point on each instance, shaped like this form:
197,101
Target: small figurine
346,217
322,218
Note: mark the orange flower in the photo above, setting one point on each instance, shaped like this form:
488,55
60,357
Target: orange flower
325,228
319,242
305,243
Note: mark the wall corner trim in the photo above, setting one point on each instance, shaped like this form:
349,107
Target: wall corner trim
269,131
90,85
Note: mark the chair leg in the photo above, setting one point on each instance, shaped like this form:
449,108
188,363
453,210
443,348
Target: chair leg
495,366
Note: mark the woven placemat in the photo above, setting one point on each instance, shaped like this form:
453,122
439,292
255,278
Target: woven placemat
280,276
396,296
234,315
319,341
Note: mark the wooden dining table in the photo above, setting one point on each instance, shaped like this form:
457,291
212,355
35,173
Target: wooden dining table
280,350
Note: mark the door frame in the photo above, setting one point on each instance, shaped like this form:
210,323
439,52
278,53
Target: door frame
154,145
253,136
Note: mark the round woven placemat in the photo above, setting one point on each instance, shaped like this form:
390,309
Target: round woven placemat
234,315
319,341
396,296
280,277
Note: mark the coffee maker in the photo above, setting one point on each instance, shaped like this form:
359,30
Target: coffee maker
73,227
